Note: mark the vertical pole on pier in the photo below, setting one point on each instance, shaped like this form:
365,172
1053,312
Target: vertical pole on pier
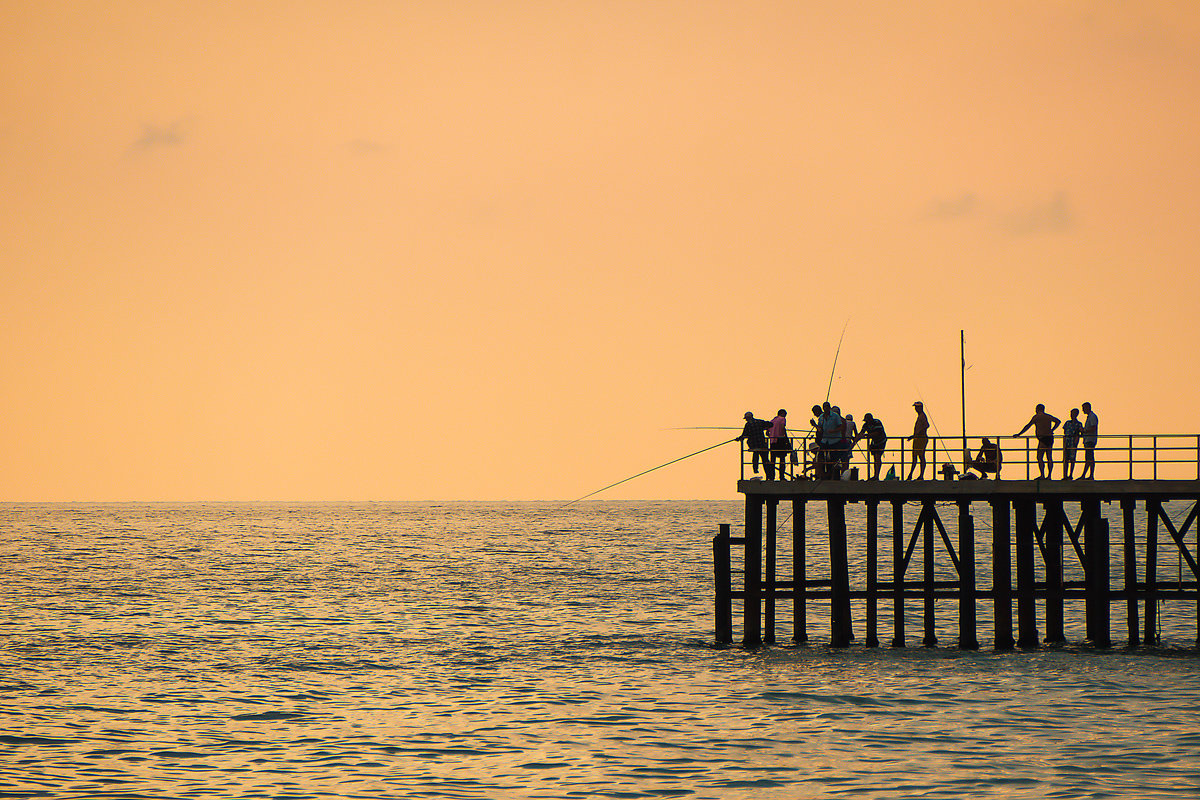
897,573
839,568
967,637
769,568
1150,635
872,572
799,575
751,624
1001,576
1025,522
722,608
1130,554
1052,535
1095,550
927,512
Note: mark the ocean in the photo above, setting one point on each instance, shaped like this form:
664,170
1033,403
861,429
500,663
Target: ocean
495,650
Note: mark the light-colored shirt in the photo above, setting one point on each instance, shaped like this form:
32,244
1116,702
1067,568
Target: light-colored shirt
1091,425
778,428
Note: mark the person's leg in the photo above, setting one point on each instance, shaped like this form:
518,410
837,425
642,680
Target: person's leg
1089,461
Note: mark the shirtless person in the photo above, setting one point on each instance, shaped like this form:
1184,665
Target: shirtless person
1044,426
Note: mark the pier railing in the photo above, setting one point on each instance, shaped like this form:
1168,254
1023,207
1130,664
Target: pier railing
1117,457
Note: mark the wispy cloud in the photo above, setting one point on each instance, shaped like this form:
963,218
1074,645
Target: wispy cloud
154,137
963,205
1052,216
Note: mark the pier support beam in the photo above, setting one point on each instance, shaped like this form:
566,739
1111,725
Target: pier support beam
722,607
1095,549
898,569
1026,522
872,572
928,509
1001,576
839,566
769,579
967,638
1131,582
751,630
1150,636
1052,539
799,575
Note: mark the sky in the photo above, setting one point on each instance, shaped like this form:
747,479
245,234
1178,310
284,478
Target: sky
354,250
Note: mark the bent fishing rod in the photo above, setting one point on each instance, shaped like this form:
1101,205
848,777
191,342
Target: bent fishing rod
646,472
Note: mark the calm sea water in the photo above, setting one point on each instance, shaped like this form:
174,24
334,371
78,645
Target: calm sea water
515,650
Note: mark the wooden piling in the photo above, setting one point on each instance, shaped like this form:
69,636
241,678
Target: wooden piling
1001,577
769,568
1052,539
928,509
1150,634
1025,522
1131,582
872,572
898,569
839,567
723,610
967,638
751,630
799,575
1096,590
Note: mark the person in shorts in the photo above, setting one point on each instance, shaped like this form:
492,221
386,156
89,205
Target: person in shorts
1091,428
1043,425
1071,431
872,430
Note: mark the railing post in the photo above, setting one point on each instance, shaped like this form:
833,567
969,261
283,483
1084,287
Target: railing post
1154,445
1028,472
1130,458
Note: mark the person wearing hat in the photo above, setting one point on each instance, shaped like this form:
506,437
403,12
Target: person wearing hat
919,439
754,435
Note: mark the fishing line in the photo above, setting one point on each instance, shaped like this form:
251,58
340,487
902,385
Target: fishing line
833,369
645,472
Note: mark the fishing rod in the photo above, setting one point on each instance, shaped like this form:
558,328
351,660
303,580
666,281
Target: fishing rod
646,472
833,369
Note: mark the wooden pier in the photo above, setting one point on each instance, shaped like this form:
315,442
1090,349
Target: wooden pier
1029,523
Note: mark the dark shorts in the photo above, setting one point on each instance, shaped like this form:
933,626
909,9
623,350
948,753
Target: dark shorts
1045,442
1089,443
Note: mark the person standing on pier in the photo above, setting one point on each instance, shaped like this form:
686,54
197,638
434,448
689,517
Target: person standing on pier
830,430
781,445
872,430
1091,428
919,439
1071,430
754,434
1043,425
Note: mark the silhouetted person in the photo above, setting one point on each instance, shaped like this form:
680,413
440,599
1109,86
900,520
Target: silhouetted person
830,429
1091,432
754,434
919,439
1043,425
1071,431
988,460
872,430
781,444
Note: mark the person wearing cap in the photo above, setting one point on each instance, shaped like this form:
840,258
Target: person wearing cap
919,439
781,444
872,430
754,434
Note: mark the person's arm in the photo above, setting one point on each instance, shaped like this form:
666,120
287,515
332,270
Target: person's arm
1027,426
1056,421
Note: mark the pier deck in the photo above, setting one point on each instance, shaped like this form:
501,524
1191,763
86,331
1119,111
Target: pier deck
1031,536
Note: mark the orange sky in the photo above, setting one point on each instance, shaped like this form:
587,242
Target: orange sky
482,250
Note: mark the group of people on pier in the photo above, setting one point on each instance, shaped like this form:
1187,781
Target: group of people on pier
832,437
